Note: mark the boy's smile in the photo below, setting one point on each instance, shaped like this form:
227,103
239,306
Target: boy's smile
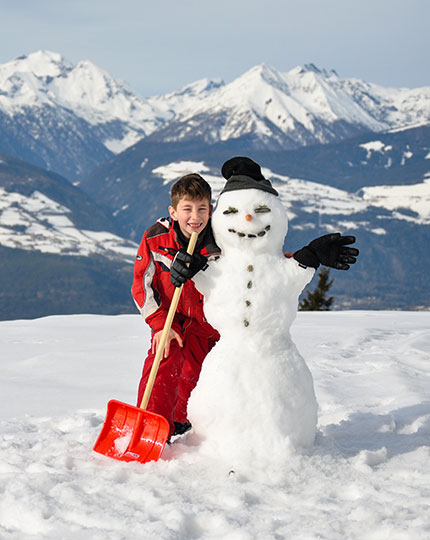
191,215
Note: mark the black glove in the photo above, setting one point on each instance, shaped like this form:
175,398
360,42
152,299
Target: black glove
328,250
185,266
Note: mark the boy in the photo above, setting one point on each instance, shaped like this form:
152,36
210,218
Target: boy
191,336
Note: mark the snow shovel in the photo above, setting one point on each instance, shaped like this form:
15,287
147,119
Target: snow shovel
131,433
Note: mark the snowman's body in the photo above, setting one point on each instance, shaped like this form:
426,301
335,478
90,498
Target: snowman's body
255,397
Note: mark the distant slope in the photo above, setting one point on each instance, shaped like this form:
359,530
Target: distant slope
59,250
42,211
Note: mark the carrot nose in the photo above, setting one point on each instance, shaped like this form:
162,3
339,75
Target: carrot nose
248,217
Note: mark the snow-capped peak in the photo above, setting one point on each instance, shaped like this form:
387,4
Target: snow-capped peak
312,68
258,75
185,98
46,79
90,87
273,109
262,70
24,81
202,86
302,105
82,87
40,63
306,105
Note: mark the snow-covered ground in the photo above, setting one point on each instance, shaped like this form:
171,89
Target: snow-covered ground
367,476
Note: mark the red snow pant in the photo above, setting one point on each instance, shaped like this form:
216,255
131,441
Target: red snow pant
176,378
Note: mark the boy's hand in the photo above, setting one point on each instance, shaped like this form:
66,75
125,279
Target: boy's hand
172,335
328,250
185,266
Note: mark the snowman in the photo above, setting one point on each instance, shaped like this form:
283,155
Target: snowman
255,399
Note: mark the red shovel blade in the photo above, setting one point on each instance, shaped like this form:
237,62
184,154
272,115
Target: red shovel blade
132,434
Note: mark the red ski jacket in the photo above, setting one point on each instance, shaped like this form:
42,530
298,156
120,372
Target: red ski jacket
152,289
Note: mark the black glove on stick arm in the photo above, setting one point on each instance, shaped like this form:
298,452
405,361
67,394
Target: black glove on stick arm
329,250
185,266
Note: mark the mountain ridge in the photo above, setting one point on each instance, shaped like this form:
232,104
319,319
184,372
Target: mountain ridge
44,98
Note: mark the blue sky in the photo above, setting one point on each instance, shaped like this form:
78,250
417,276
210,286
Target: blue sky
157,47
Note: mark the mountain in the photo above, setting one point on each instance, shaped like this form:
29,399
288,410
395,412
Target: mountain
268,109
71,118
68,118
59,250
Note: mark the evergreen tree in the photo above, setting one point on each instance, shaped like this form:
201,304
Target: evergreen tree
318,300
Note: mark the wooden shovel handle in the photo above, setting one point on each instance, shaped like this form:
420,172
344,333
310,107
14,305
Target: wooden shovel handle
166,330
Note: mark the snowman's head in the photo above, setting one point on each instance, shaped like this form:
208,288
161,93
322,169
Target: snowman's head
250,219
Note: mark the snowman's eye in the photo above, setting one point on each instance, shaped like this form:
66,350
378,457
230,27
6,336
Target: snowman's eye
262,209
231,210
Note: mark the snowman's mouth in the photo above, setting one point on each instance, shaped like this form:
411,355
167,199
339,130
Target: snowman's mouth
242,234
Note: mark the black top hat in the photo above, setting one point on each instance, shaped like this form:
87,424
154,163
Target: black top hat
243,173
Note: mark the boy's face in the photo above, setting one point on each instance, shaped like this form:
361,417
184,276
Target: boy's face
191,215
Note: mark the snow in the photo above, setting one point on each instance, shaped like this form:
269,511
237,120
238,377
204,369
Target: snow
36,222
118,145
366,477
406,155
375,146
316,197
379,230
173,171
415,197
181,100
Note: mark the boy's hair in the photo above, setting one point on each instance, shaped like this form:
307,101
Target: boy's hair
190,186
